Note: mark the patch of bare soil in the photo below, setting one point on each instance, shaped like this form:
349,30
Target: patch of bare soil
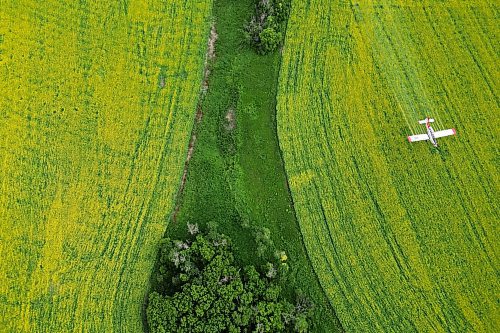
211,43
230,120
210,56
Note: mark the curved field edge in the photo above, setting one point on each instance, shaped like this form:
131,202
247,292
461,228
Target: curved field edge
402,236
97,107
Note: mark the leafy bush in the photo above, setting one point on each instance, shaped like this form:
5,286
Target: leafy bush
206,291
270,40
266,29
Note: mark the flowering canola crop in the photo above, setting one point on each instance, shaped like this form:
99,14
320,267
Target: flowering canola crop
403,237
97,102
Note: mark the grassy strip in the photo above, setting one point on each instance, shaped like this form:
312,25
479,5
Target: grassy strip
236,175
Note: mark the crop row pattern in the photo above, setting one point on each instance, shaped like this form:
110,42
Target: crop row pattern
96,109
402,237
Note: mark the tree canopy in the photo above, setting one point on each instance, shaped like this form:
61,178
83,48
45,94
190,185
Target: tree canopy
266,29
205,290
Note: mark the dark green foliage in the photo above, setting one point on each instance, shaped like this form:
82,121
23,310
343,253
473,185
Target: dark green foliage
266,29
270,40
206,291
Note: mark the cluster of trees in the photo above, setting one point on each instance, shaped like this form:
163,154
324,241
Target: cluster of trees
266,29
203,289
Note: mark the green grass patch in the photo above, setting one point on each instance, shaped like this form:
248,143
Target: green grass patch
236,175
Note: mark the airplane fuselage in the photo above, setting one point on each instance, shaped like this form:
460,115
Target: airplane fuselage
430,133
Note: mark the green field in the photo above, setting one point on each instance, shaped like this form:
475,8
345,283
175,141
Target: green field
97,104
403,237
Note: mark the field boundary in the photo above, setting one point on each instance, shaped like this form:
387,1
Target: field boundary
209,58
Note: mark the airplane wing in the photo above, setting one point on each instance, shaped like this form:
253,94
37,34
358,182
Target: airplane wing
440,134
418,137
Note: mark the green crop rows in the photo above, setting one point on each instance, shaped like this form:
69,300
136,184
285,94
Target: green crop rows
97,103
402,236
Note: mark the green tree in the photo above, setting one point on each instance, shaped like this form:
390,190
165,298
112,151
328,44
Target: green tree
266,29
204,290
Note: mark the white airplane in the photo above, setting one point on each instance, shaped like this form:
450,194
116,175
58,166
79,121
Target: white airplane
431,135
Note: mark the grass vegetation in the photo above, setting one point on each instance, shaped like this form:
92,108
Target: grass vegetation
402,236
236,176
96,111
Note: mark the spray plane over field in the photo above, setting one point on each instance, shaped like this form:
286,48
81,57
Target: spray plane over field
431,135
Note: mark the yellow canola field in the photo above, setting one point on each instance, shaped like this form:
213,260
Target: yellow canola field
403,237
97,101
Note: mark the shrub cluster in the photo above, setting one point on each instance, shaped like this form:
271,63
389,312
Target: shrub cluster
266,30
204,290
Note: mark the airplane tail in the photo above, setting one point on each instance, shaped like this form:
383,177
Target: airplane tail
423,122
